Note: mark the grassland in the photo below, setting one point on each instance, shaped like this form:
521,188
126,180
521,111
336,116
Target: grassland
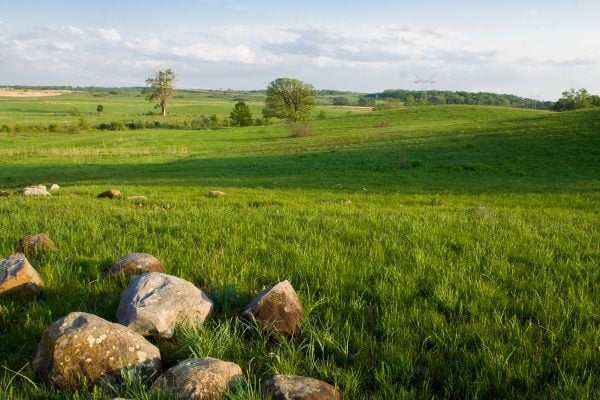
440,252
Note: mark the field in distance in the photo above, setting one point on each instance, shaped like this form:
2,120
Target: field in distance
440,252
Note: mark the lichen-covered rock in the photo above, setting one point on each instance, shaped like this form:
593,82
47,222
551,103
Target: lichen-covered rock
277,310
136,263
18,277
110,194
36,243
39,190
291,387
216,193
83,349
199,378
54,187
154,304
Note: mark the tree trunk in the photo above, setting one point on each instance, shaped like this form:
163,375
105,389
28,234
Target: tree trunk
163,107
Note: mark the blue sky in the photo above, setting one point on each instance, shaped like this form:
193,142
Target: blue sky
524,47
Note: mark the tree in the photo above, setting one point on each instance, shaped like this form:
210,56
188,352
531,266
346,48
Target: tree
574,100
241,115
161,87
100,108
289,99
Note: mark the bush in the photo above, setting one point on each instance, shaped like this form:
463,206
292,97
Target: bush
5,129
100,108
84,124
53,128
73,111
301,129
321,115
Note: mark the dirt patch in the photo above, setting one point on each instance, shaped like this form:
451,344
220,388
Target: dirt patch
6,92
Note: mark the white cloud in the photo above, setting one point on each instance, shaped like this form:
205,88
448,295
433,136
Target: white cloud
110,35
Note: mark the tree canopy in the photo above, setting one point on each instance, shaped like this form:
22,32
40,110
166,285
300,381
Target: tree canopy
161,87
576,100
241,115
289,99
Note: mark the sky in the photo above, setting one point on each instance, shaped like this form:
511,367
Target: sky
528,47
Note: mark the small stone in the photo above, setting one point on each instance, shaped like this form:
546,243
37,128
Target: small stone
216,193
291,387
135,263
39,190
111,194
83,347
36,243
277,310
155,304
18,278
199,378
137,198
54,187
4,194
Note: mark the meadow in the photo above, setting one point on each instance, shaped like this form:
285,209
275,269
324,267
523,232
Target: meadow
442,252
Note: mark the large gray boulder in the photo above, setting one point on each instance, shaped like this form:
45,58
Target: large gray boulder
277,310
39,242
292,387
136,263
18,278
85,349
199,378
155,303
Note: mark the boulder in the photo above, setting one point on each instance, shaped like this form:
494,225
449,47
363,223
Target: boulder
18,277
54,187
36,243
110,194
4,194
199,378
291,387
84,349
135,263
277,310
155,303
216,193
39,190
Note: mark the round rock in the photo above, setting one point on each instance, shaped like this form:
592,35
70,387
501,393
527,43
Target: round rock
110,194
199,378
136,263
18,277
291,387
154,304
36,243
54,187
277,310
84,348
39,190
216,193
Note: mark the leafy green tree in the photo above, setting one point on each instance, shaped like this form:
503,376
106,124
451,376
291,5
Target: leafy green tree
574,100
161,87
100,108
241,115
289,99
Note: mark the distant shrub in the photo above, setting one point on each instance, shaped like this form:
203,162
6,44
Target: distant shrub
84,124
100,108
113,92
73,111
5,129
52,127
321,115
301,129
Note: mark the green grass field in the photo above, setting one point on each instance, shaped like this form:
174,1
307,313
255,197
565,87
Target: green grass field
440,252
